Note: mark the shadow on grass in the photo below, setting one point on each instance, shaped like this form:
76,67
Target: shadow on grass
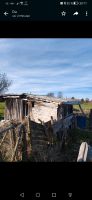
1,117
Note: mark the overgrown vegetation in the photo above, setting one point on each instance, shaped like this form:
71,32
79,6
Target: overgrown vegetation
71,150
2,107
85,106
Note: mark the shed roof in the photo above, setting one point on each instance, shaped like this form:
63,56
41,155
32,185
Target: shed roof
72,102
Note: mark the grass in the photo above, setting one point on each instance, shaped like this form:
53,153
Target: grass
77,136
85,106
2,107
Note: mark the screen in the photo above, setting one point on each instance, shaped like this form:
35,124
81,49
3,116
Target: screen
45,99
53,10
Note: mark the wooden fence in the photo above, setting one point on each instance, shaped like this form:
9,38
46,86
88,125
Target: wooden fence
15,142
22,141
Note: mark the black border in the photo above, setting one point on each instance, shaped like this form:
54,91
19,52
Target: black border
46,29
46,176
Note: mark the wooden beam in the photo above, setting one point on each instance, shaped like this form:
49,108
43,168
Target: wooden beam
81,109
83,151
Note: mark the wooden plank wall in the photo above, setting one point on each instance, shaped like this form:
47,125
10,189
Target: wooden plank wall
16,109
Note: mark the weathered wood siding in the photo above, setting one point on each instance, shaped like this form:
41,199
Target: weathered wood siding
16,108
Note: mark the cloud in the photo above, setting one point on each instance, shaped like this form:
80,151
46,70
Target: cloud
44,65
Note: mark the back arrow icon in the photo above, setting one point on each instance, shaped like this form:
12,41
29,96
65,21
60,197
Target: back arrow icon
6,13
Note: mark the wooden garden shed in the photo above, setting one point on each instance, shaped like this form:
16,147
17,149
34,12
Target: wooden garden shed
17,107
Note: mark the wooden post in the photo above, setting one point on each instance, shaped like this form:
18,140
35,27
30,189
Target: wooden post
24,149
83,151
50,132
14,136
52,121
21,110
81,109
11,143
63,140
29,107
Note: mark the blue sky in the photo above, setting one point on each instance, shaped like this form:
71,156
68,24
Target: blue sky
48,65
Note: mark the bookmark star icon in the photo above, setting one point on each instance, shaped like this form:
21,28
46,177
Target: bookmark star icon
63,13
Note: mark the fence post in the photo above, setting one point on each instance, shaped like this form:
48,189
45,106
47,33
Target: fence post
28,138
14,136
24,148
83,151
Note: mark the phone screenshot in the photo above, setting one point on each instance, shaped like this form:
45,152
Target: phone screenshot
53,10
45,99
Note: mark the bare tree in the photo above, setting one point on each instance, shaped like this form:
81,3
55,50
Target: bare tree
4,83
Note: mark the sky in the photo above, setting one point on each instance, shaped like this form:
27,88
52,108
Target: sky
40,66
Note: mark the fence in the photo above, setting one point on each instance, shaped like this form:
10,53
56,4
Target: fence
15,142
29,140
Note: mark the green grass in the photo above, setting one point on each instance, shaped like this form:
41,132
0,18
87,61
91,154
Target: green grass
2,107
85,106
77,136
